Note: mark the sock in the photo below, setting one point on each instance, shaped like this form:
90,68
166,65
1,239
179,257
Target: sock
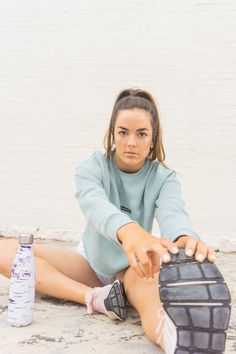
94,299
166,332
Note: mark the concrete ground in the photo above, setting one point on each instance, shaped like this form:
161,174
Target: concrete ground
64,327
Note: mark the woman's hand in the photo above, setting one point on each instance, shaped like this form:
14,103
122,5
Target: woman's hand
143,250
197,247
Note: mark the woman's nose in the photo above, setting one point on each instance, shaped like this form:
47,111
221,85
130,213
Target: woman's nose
131,141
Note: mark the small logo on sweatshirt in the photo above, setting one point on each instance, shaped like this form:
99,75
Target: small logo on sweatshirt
127,210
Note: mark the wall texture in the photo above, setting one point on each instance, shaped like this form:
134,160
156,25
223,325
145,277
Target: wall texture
62,63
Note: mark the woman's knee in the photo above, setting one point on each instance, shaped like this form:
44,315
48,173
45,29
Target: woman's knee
8,249
132,280
137,289
8,244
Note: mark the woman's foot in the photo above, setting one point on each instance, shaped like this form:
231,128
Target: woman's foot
196,300
109,299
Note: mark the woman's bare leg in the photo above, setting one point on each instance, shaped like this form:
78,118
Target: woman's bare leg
60,273
143,295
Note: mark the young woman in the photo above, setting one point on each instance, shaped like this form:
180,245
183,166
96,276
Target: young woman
170,279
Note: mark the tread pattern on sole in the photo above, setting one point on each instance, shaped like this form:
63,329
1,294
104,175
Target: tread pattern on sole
197,300
115,302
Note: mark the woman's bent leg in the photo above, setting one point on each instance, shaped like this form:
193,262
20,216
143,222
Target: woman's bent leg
143,295
60,273
197,305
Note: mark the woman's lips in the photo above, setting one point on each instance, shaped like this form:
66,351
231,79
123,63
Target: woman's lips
131,154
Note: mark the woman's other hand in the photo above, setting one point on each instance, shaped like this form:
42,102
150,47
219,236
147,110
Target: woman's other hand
196,247
143,250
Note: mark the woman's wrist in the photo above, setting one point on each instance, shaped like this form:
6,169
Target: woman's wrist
126,230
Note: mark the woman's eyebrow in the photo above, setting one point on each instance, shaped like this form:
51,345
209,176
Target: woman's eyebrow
138,130
120,127
142,129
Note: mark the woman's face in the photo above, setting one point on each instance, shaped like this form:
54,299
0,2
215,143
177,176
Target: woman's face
133,139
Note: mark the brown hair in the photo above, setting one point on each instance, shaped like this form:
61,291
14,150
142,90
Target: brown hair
136,98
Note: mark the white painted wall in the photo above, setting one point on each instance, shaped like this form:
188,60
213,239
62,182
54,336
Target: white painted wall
62,63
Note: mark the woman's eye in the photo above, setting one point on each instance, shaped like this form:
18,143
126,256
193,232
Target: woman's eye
142,135
122,133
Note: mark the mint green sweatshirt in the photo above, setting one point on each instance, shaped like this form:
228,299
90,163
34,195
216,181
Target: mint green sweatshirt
110,198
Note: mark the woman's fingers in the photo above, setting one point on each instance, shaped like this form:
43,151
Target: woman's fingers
171,246
149,260
211,255
144,262
196,247
201,251
145,259
204,252
134,264
161,251
141,264
189,243
181,242
155,261
190,246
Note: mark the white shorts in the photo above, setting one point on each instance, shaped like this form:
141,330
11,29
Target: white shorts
105,280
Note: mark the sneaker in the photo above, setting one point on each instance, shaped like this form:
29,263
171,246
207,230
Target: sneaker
197,300
115,302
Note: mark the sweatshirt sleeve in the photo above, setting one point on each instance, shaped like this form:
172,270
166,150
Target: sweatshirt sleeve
171,215
104,216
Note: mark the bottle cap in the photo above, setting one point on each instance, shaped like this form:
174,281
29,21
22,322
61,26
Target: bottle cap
26,238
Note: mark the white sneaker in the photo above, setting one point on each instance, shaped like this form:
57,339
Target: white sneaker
109,299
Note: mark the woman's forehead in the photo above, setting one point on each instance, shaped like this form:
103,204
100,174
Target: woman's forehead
134,117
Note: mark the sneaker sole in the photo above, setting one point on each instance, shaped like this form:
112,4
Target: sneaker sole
115,302
197,299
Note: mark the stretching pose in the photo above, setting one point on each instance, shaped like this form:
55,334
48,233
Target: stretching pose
170,279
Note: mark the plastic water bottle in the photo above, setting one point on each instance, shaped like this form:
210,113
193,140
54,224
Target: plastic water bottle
22,284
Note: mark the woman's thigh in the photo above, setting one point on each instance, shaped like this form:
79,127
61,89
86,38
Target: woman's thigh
68,262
